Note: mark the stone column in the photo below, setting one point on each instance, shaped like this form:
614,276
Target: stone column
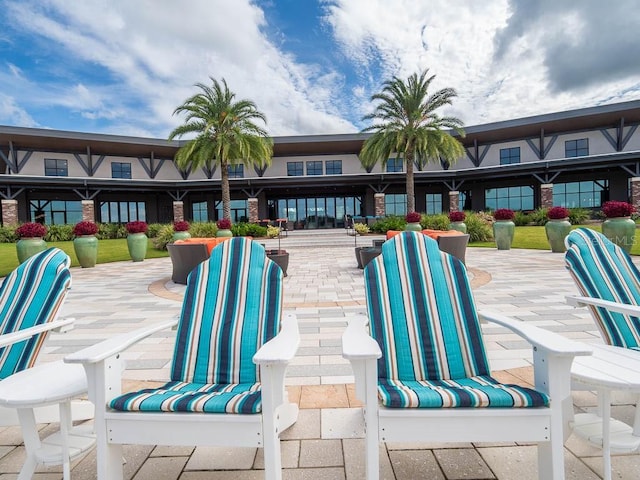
454,200
635,192
252,205
546,195
178,211
9,212
378,205
88,211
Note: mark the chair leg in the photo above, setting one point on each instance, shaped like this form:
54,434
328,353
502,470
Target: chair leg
31,442
551,453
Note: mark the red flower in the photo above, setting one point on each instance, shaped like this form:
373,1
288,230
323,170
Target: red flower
457,216
413,217
85,228
558,213
137,227
31,230
503,214
180,226
224,224
614,209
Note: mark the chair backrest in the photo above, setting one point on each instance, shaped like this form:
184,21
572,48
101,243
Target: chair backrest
31,295
232,306
422,312
603,270
455,245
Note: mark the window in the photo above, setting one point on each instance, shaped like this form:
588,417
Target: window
294,169
236,171
514,198
314,168
56,212
238,211
54,167
576,148
122,212
199,212
589,194
333,167
509,155
120,170
395,204
395,165
434,203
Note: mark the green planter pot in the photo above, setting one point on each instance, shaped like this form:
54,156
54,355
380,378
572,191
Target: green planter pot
27,247
621,231
503,231
86,248
181,235
413,227
224,233
137,244
459,226
557,230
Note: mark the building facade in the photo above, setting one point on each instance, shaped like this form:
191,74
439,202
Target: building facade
578,158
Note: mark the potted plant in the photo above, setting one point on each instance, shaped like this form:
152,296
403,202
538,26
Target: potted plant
618,226
503,228
31,240
557,228
224,228
85,243
413,222
181,230
457,221
279,256
137,240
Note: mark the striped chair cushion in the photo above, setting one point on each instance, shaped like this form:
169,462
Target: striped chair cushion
423,316
232,306
193,397
603,270
31,295
482,391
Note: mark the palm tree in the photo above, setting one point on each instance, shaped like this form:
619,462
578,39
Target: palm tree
225,134
408,127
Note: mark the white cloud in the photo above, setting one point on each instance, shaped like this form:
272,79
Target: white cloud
12,114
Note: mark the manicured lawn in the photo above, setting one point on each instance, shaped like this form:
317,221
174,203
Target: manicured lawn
108,251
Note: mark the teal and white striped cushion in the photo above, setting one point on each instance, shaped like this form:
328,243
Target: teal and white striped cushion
603,270
232,306
423,316
31,295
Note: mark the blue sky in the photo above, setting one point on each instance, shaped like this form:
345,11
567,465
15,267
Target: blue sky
311,66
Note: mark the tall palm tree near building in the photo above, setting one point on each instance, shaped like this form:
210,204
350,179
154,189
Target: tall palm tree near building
226,134
407,126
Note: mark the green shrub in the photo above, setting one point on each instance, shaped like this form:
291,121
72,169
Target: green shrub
578,216
273,231
8,234
435,222
111,231
479,227
520,218
392,222
155,228
203,229
163,236
539,216
246,229
59,233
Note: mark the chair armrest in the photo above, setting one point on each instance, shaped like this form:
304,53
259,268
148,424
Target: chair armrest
577,301
283,347
542,339
357,344
20,335
112,346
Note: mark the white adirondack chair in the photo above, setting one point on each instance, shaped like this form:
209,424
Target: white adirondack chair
228,370
421,369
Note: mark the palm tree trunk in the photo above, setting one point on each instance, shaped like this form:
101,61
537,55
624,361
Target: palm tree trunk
226,194
411,195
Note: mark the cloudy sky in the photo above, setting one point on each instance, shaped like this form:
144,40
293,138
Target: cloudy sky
123,66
